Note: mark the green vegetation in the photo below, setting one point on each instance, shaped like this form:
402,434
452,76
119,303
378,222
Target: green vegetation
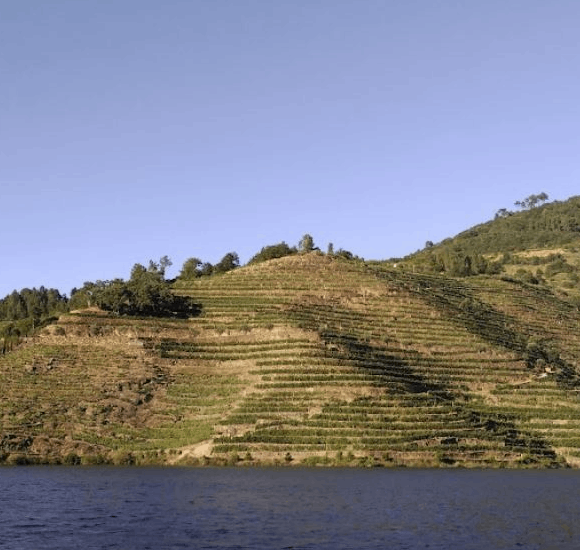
194,267
21,313
145,294
272,252
551,225
538,245
302,357
306,244
35,304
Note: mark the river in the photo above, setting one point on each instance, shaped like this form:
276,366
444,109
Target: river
287,508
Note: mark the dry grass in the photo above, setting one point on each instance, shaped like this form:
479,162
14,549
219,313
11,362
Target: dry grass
305,356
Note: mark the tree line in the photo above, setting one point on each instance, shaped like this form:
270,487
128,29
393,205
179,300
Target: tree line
21,313
536,225
35,303
194,267
147,292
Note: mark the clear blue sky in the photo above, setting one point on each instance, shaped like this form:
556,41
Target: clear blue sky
132,129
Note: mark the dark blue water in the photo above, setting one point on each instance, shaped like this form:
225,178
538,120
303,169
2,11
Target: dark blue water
135,508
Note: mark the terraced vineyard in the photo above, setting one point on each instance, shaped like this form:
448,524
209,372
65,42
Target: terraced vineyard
307,359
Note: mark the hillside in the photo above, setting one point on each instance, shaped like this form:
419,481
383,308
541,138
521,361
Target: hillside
538,245
307,359
550,225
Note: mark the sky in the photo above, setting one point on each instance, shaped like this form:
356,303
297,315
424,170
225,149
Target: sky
134,129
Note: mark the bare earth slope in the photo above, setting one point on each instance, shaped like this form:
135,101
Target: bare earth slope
306,359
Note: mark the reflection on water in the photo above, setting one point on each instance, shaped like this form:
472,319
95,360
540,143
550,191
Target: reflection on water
124,508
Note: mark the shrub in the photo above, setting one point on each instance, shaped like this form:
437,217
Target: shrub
273,251
72,459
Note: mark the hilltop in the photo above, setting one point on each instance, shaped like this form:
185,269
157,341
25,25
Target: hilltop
312,358
539,245
537,225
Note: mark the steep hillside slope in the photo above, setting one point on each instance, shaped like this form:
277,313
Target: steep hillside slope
551,225
307,359
540,245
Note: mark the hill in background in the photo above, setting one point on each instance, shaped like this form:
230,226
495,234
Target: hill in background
538,245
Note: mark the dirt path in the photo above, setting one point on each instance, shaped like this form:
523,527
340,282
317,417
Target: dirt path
198,450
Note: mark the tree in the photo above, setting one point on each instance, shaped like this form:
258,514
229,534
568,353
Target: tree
15,307
330,249
229,262
191,269
306,243
206,269
114,296
346,254
146,293
159,267
32,303
532,201
147,289
138,270
457,263
164,263
83,297
273,251
153,267
503,213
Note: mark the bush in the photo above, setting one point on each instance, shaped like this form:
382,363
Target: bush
71,459
273,251
558,266
526,276
145,294
93,460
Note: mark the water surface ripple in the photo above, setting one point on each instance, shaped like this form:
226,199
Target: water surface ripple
287,508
